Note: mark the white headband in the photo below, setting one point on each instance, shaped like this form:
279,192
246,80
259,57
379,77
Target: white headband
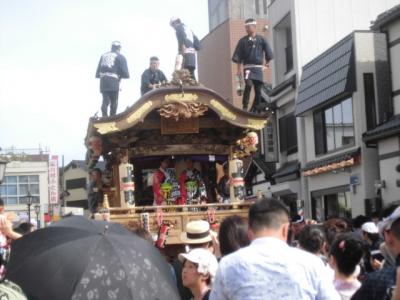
251,23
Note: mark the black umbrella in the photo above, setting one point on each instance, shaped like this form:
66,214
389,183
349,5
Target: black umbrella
62,262
79,222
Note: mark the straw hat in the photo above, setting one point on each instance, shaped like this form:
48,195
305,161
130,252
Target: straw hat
197,232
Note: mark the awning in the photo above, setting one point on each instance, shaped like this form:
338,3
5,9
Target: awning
387,129
329,75
287,169
286,188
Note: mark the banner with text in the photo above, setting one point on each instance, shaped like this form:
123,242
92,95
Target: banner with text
53,180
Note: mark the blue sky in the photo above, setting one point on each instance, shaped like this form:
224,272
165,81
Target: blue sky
49,52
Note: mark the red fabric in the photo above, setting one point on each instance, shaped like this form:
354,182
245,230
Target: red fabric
182,186
158,179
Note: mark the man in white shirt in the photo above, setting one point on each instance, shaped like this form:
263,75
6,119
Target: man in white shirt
269,268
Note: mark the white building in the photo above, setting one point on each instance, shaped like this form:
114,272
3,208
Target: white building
301,30
336,102
386,136
26,173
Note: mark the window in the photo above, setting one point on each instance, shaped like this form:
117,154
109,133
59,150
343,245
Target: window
289,50
370,107
265,6
288,134
15,188
334,127
283,48
270,140
76,183
331,204
257,6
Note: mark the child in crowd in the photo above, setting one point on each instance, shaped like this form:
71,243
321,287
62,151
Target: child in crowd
199,269
345,256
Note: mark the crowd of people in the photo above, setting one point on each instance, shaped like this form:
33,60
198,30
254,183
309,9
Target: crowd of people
272,256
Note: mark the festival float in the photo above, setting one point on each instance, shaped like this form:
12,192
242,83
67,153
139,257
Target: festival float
176,121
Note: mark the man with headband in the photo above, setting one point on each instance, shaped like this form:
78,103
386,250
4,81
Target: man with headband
111,69
152,77
188,45
250,52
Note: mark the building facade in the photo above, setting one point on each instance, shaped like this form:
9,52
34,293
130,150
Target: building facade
337,102
299,32
385,136
26,174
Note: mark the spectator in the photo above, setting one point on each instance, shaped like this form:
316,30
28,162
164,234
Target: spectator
373,257
197,235
199,268
269,268
357,222
312,239
345,256
378,285
334,227
233,234
296,226
6,233
25,228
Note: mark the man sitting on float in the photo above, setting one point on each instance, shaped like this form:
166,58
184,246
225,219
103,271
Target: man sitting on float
165,185
191,184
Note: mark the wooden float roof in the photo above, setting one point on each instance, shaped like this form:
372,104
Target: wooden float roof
155,99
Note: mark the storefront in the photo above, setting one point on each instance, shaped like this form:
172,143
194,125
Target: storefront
331,202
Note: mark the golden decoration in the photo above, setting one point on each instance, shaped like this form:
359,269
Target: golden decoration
104,128
225,112
333,166
246,145
181,97
256,124
178,110
138,114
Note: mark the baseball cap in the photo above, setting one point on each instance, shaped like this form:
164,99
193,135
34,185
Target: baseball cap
387,222
206,261
297,219
369,227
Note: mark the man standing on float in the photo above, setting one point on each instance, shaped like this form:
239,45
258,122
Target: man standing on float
250,51
188,44
111,69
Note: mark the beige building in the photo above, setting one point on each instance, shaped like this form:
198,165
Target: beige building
386,135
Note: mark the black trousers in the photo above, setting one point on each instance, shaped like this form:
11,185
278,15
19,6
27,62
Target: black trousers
247,90
191,70
109,98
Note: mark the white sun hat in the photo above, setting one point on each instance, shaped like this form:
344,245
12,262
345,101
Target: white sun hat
369,227
206,261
